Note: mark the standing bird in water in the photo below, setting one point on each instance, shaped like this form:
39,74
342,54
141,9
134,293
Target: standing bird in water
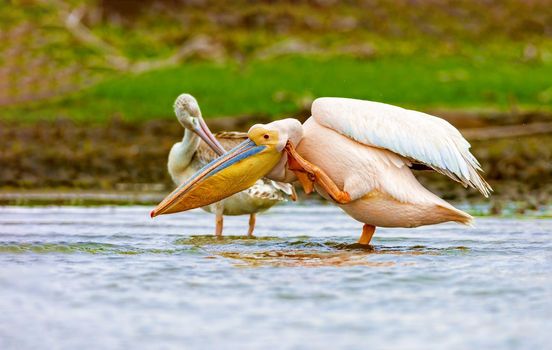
359,154
190,155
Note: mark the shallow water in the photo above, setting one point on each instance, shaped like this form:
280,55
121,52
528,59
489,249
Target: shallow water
111,277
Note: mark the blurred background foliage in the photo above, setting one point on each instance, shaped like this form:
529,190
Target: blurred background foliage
86,86
243,57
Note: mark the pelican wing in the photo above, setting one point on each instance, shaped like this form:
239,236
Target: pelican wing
420,137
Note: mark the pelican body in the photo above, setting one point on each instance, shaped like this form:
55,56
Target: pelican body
383,189
358,154
198,147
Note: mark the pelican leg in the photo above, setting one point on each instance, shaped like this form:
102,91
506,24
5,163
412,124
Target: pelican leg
308,174
367,233
252,220
218,231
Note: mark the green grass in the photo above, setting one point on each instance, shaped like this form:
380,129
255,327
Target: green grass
276,87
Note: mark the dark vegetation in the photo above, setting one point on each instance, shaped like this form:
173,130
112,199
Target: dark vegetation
131,156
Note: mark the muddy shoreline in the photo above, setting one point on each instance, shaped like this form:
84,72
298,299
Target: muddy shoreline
129,157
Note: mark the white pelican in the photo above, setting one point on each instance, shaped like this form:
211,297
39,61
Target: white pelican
357,153
189,155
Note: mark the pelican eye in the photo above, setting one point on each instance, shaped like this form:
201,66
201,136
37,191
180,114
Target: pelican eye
266,136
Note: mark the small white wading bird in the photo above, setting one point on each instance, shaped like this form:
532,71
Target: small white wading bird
357,153
190,155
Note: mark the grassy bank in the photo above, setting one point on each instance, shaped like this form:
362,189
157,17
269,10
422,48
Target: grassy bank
269,57
282,86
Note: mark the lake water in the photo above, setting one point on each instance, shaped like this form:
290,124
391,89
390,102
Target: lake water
112,278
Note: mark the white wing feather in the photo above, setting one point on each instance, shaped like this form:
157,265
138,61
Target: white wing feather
415,135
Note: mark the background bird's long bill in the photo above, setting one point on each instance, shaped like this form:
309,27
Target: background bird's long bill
207,136
233,172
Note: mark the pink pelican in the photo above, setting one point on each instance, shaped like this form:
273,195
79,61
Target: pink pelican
356,153
190,155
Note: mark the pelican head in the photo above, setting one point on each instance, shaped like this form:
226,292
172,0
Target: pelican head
189,116
262,153
277,134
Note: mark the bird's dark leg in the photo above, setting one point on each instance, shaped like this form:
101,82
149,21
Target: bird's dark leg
252,220
367,233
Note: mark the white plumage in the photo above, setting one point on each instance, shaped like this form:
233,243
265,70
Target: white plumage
366,149
199,146
417,136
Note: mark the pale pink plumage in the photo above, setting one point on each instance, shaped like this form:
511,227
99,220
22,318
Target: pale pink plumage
367,149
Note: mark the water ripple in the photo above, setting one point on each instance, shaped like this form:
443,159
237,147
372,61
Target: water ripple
110,277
